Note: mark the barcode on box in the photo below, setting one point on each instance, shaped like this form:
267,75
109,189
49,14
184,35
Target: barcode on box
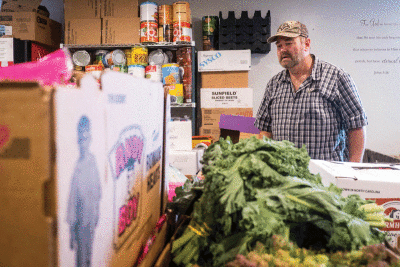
207,131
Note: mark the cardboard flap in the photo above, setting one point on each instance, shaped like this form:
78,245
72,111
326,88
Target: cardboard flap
20,5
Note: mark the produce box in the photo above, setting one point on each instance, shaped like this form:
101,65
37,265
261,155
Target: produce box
120,30
376,181
49,140
33,26
224,60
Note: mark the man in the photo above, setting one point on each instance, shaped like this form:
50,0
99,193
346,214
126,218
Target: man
312,102
84,198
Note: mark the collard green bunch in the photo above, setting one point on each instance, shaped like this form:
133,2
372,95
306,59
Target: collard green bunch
258,188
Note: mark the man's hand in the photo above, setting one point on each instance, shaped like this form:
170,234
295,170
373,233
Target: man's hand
266,134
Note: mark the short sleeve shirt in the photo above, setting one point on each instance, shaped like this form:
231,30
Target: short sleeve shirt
318,115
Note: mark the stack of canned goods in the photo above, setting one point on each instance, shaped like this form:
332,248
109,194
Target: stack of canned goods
148,22
182,21
184,59
131,60
165,25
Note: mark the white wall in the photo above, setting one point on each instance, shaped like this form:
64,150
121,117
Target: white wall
334,26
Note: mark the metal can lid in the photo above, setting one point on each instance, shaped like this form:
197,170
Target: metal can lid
101,52
81,58
119,57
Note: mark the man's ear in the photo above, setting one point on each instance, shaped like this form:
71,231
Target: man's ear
307,44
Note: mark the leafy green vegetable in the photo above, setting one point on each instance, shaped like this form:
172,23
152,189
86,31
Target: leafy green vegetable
261,187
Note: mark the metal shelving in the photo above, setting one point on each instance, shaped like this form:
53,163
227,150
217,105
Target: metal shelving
183,109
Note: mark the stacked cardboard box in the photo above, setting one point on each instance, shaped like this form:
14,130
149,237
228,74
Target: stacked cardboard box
27,24
224,82
113,138
93,22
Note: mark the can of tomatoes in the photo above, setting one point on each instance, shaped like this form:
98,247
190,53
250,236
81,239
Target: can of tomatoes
182,32
148,32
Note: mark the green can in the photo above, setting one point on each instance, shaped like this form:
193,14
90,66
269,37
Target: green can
210,32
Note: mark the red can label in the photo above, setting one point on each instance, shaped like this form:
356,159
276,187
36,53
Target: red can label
148,32
182,32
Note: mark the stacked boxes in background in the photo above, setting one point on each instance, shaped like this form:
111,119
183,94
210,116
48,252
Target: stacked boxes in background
224,82
93,22
28,24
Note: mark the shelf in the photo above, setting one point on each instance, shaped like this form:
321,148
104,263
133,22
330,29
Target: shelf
183,105
149,45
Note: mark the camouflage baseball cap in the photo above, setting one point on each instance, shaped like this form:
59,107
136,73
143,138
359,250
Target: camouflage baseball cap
290,29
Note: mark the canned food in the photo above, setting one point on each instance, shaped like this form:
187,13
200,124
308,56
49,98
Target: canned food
181,12
81,58
136,70
139,55
98,57
128,55
148,11
120,68
165,33
153,72
115,57
164,15
175,92
170,73
210,34
182,32
148,32
95,70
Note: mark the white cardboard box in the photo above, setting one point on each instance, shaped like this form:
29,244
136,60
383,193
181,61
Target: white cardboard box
226,97
380,182
224,60
180,135
185,161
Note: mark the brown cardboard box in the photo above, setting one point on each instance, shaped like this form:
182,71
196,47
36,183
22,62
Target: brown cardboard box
38,159
83,31
225,79
82,9
25,160
210,116
212,131
121,31
120,8
32,26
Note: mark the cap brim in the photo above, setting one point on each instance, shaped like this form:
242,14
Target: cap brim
273,38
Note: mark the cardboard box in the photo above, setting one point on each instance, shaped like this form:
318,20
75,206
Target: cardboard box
50,140
82,9
210,117
185,161
180,135
83,31
212,131
33,26
20,5
376,181
121,30
26,173
225,79
120,8
226,97
224,60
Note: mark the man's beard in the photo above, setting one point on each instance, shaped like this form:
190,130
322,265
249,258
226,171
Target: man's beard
294,60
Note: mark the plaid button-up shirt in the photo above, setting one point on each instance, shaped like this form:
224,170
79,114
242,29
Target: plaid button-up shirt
318,115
